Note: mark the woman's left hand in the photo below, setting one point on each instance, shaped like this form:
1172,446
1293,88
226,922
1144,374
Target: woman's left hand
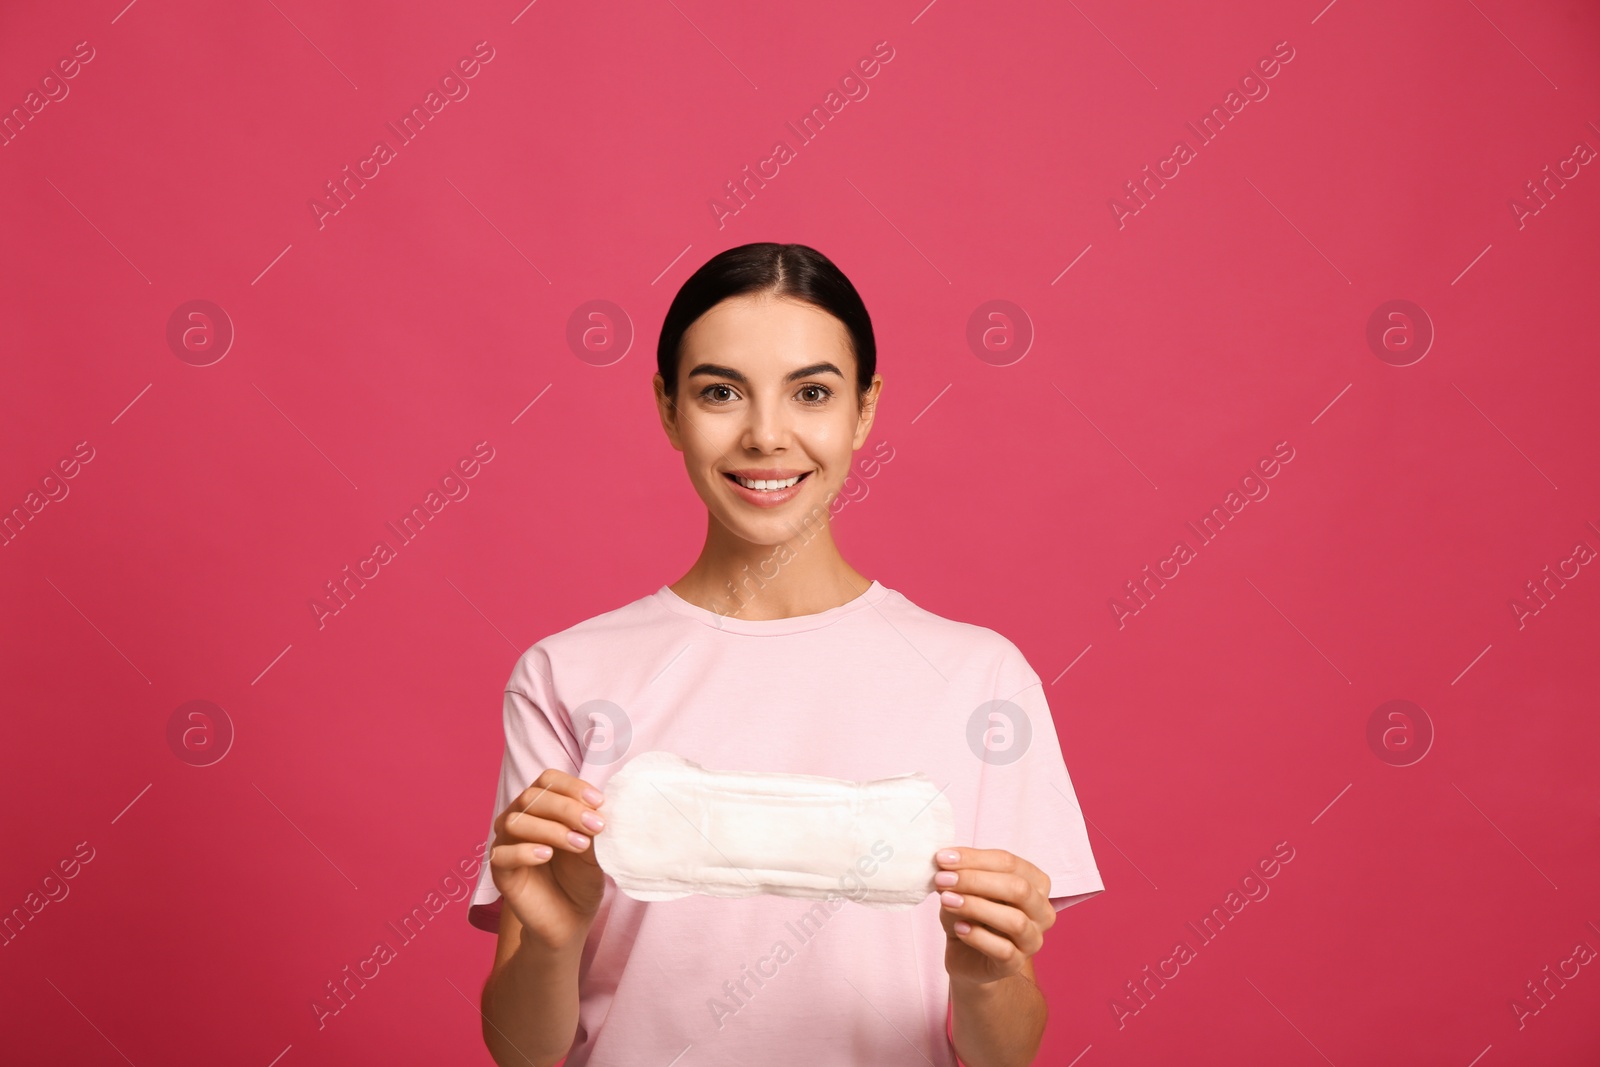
1003,913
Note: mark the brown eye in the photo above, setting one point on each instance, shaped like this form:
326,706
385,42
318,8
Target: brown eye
824,393
705,394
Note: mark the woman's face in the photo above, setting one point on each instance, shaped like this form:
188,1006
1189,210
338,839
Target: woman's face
766,391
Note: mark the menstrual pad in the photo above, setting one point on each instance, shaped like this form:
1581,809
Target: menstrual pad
674,828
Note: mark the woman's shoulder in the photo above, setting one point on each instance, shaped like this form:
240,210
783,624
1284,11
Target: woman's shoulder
636,614
966,640
627,623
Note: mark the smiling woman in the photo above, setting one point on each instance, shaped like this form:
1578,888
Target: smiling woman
778,396
766,381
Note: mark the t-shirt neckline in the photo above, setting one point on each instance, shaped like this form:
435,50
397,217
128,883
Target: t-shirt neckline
875,592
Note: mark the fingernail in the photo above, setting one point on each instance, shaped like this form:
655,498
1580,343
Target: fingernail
946,878
948,857
952,899
963,928
577,839
592,821
594,797
542,851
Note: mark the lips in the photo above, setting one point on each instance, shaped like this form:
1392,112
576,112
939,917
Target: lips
777,474
767,498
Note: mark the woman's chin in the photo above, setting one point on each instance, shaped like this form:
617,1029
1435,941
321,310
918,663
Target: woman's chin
770,531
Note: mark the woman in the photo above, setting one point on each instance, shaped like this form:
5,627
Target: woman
772,653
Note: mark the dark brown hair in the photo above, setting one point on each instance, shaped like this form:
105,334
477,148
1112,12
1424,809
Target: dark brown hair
795,271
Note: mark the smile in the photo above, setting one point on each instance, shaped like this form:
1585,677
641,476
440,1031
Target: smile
765,485
766,488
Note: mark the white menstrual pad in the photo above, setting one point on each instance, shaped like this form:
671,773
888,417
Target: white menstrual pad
674,828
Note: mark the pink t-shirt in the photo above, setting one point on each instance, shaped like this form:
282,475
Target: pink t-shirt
872,688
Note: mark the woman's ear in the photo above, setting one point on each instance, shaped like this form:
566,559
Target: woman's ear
869,411
667,412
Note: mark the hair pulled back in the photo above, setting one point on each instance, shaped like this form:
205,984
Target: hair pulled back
795,271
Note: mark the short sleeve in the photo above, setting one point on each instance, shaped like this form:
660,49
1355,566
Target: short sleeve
537,736
1026,802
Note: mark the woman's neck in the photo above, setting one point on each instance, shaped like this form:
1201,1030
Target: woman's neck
802,576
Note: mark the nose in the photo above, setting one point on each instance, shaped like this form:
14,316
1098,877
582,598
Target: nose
767,427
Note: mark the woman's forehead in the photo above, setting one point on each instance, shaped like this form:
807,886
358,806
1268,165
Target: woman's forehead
766,336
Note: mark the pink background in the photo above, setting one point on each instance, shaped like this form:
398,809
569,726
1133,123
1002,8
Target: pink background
373,352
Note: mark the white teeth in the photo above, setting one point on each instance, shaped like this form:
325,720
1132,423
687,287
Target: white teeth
766,484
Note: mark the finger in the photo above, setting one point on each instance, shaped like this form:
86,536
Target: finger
563,823
510,857
1008,922
560,783
560,832
551,802
990,944
1013,889
993,859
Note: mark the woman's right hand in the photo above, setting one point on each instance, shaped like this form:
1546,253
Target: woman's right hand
552,884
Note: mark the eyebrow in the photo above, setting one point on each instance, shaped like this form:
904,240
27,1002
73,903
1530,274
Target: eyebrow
714,370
